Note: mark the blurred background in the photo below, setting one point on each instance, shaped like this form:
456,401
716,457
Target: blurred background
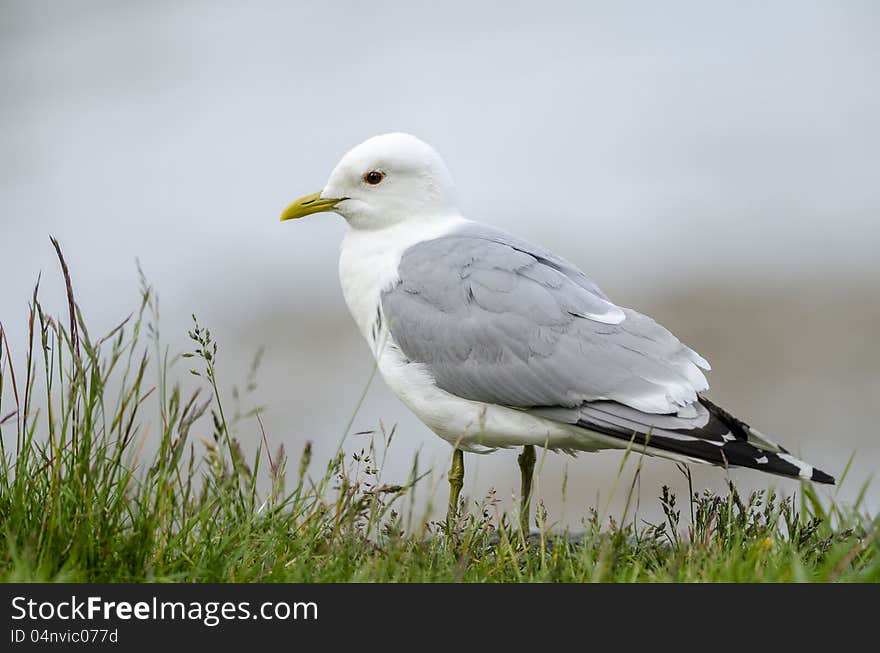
717,168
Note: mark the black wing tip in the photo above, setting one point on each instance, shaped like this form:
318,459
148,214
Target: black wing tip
819,476
744,430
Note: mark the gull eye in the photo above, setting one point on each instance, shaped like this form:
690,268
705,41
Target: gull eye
374,177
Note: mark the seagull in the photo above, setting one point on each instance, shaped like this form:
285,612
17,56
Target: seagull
495,342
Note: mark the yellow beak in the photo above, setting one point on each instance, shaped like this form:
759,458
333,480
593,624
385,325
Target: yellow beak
309,204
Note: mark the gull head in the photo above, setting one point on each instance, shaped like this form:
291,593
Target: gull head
381,182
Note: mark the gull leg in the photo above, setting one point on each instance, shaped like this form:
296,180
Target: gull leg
456,480
526,467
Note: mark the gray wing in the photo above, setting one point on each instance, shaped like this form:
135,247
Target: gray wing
498,320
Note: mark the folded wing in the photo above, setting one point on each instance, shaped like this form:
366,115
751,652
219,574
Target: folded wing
498,320
501,321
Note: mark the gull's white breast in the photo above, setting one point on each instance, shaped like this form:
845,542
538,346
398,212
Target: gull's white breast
368,263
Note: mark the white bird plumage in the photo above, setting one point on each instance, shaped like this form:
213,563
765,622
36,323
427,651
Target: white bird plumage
494,342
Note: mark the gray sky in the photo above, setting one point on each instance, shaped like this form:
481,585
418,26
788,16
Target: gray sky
671,151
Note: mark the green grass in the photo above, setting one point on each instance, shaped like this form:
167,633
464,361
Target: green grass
95,489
